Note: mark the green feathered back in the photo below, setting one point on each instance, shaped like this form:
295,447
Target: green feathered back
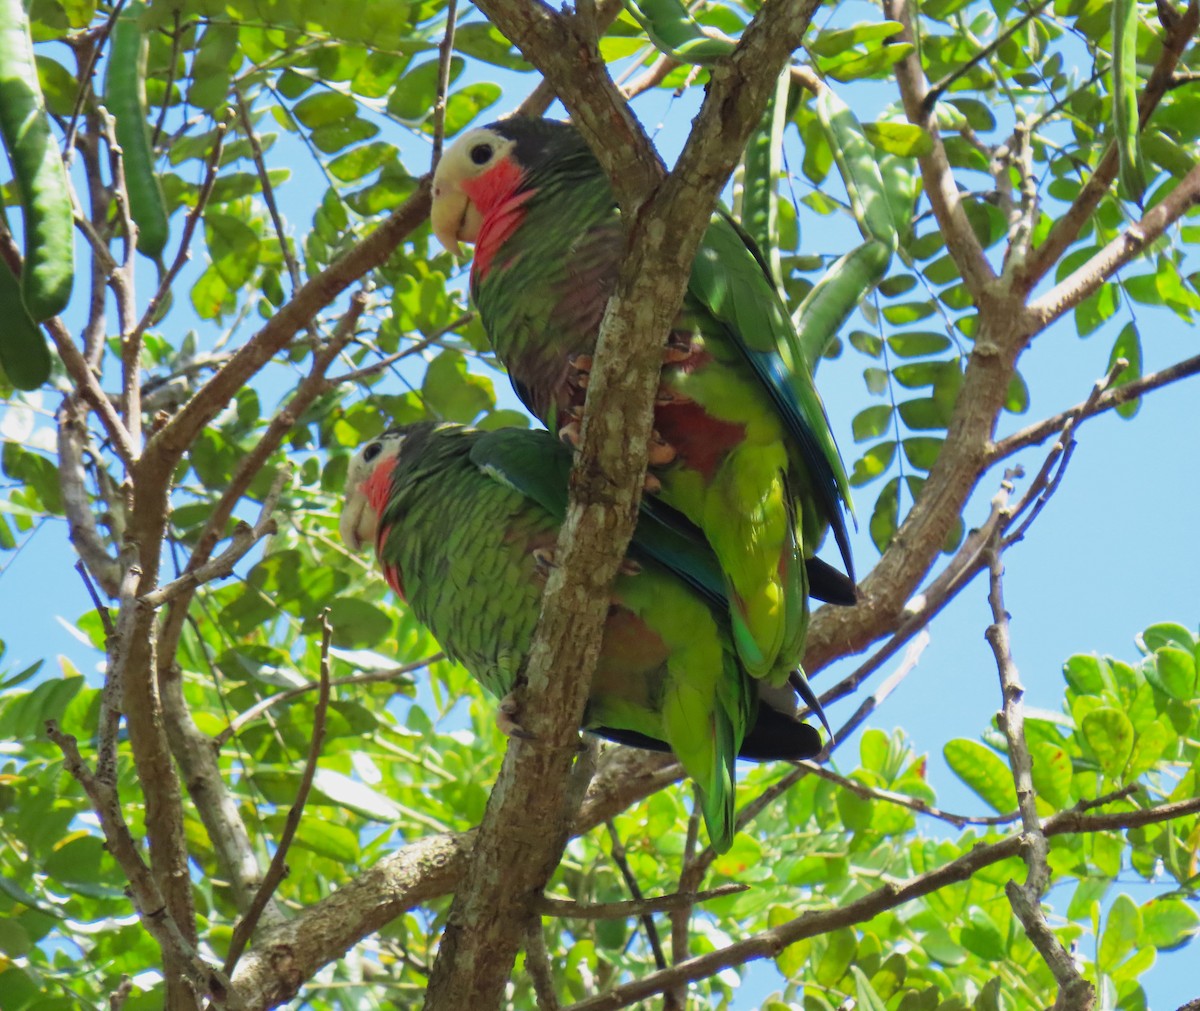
467,512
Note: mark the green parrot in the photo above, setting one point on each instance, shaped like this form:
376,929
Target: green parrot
465,525
742,446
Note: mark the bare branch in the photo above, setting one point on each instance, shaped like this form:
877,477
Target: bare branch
1082,282
370,677
445,52
1040,431
903,800
549,905
268,191
81,522
1067,228
1074,991
147,899
310,388
275,872
537,964
88,387
940,187
168,445
770,943
243,540
631,882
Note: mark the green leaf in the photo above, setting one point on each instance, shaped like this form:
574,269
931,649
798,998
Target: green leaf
794,957
1173,672
1109,734
14,942
1083,674
921,450
1120,934
1128,345
325,108
904,139
871,422
413,98
452,393
467,103
983,771
982,938
1168,923
342,791
836,957
867,998
857,37
1051,773
356,623
918,343
885,515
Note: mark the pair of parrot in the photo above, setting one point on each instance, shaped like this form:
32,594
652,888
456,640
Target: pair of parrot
708,619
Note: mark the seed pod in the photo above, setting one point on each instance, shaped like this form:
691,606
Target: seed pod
49,268
125,97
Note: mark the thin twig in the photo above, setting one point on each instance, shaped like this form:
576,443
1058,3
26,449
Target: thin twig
549,905
268,191
1040,431
147,898
243,540
445,53
690,876
278,868
369,677
903,800
85,75
414,349
537,964
1050,475
102,611
619,858
812,922
185,240
938,89
1074,991
117,999
82,528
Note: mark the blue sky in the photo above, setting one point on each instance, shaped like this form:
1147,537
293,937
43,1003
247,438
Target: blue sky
1116,550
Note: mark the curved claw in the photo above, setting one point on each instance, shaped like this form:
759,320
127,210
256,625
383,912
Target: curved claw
661,452
506,719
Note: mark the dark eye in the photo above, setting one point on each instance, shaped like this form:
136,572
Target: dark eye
372,451
481,154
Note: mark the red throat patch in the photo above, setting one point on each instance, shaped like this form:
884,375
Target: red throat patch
377,488
495,196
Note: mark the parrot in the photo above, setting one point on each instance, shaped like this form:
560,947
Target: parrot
465,524
741,446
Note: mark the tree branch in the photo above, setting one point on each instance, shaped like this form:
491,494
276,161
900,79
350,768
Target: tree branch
275,872
940,186
524,828
1082,282
1040,431
1066,229
147,898
770,943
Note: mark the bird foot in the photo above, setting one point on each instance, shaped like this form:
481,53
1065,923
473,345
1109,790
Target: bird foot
680,347
544,557
661,452
506,719
571,433
581,371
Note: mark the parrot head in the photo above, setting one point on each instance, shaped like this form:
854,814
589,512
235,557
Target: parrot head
368,484
490,170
